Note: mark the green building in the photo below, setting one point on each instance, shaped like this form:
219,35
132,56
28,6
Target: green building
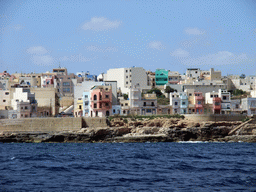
161,76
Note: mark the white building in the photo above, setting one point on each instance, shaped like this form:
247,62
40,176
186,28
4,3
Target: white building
24,102
128,77
249,104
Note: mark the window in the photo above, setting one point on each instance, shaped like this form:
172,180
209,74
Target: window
107,96
130,81
123,111
106,104
126,76
122,104
6,93
26,107
17,100
95,105
126,71
21,108
95,97
173,96
199,102
148,110
224,97
106,89
4,100
190,94
114,110
66,89
152,104
183,103
100,105
126,82
176,103
144,104
86,96
21,115
66,84
211,96
80,106
126,104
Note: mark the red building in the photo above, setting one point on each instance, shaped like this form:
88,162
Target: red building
199,102
216,105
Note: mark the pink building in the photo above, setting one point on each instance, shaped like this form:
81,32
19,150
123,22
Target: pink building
101,101
199,102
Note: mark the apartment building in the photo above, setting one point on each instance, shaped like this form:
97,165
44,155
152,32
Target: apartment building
24,102
128,77
101,101
161,76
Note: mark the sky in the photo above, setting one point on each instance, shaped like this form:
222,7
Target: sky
96,35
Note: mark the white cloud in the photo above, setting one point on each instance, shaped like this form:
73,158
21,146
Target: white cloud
75,58
39,50
194,31
100,24
180,53
156,45
220,58
100,49
44,60
18,27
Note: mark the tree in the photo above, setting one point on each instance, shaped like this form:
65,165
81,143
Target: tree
168,89
238,92
156,91
125,96
242,76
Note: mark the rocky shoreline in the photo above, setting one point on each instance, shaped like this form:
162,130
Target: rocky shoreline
144,130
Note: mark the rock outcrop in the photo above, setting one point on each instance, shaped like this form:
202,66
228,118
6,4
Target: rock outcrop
143,130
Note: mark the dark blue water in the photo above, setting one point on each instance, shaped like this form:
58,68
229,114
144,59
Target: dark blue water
128,167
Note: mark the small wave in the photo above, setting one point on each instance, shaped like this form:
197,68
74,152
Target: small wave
12,158
193,141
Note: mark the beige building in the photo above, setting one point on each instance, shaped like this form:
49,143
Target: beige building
47,99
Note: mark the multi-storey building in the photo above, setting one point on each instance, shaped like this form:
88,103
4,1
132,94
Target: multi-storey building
174,77
24,102
128,77
149,104
175,102
101,101
199,102
249,105
161,76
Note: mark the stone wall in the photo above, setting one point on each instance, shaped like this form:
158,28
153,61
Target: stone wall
50,124
41,124
215,117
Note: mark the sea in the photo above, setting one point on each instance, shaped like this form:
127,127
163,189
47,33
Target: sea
184,166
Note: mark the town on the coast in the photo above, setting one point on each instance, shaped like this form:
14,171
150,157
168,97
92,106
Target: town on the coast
125,91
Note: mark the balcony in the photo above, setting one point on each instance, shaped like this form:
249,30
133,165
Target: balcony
199,97
217,107
183,106
183,97
105,100
134,97
199,106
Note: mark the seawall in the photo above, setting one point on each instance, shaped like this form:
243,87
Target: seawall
50,124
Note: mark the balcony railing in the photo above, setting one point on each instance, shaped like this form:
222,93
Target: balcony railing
216,107
199,106
199,97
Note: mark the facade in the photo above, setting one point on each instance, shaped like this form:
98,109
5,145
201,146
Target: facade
199,103
149,104
174,77
175,103
128,77
183,103
48,101
216,105
151,79
161,76
5,100
249,104
24,102
135,99
101,101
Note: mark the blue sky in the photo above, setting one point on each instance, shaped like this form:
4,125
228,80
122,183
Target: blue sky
38,35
